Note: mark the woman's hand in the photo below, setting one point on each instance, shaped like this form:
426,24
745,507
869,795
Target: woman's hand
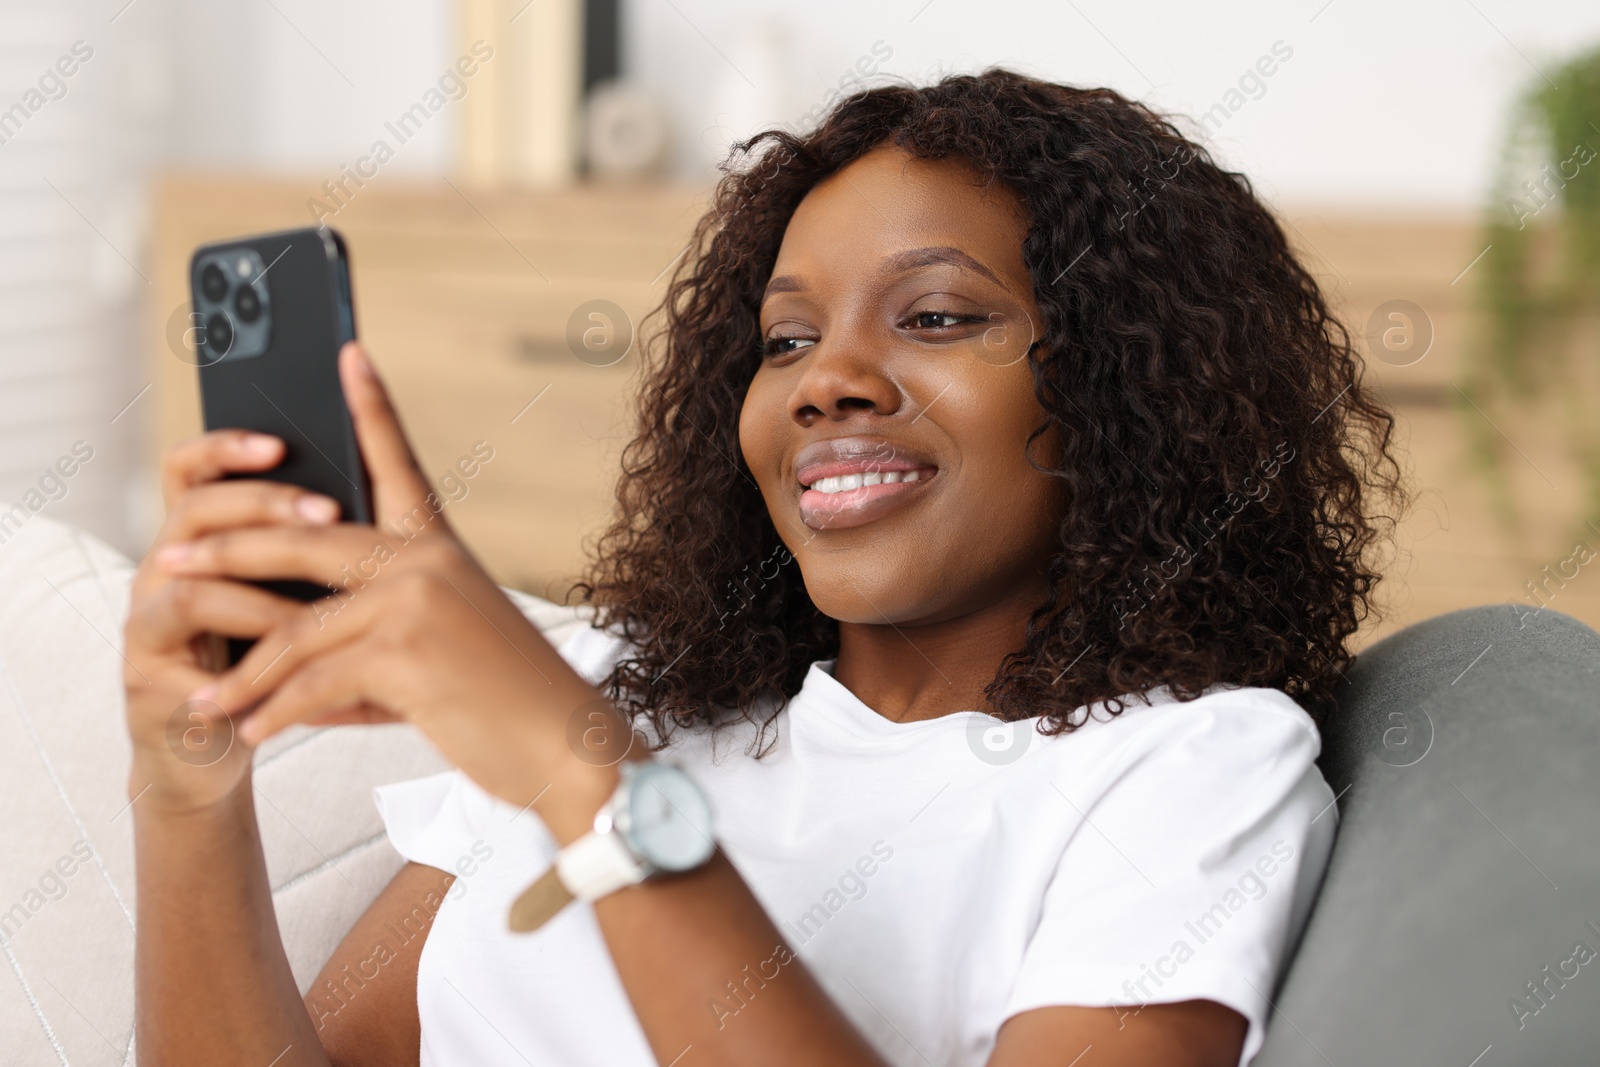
182,758
415,631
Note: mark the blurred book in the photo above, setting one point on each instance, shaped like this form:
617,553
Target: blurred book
521,125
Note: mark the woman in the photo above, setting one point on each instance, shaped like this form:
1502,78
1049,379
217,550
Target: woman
985,555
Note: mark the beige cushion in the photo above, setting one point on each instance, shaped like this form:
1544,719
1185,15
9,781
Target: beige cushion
66,856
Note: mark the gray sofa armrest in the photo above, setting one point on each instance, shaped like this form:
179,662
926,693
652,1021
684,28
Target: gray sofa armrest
1464,884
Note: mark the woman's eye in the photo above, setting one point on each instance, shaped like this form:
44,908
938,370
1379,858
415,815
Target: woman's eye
923,319
774,346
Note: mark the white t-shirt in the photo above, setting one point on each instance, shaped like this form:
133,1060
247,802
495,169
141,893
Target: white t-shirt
936,877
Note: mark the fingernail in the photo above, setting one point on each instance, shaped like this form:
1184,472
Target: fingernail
175,553
363,364
316,508
260,445
250,730
205,692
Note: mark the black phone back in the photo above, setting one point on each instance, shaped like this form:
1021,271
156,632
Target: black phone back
270,313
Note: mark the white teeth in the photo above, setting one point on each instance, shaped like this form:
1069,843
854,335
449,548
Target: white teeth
843,483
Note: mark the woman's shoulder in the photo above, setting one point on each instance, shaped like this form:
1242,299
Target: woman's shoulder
592,650
1161,706
1250,721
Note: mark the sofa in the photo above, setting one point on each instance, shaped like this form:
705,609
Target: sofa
1458,922
1464,881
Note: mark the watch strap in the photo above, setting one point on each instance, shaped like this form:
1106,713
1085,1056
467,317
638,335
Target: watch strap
589,868
599,863
595,865
539,903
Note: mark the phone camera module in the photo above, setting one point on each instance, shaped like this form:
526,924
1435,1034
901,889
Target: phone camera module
246,304
232,308
213,283
219,335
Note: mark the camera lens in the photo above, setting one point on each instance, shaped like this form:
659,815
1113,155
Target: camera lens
247,304
213,283
219,334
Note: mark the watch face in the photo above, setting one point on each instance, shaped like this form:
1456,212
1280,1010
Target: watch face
669,820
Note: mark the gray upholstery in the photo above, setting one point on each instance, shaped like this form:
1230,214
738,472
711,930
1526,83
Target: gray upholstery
1466,758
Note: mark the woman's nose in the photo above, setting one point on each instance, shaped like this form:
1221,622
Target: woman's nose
841,375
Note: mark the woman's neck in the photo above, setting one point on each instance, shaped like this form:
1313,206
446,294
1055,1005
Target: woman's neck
910,671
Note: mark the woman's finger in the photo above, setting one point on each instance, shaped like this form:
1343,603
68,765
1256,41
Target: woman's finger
328,683
205,509
362,714
333,555
398,484
209,456
323,626
183,608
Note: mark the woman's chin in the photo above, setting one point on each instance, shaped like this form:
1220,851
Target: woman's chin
875,599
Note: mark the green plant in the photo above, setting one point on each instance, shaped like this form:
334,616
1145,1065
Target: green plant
1539,281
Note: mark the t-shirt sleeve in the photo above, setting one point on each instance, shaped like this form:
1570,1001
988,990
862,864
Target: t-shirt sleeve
437,819
428,819
1199,851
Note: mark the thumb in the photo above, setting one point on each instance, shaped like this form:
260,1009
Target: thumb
398,484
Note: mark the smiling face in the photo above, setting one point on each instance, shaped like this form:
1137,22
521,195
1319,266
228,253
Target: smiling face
888,422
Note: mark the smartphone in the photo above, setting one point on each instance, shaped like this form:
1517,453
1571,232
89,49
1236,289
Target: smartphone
269,314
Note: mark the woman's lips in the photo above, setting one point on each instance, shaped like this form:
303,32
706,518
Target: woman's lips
823,464
857,507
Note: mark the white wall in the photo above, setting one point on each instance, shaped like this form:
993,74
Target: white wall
305,84
1387,102
1398,103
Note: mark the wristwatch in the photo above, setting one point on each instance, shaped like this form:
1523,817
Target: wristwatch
657,820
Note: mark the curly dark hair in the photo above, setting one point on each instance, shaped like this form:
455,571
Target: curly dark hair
1218,443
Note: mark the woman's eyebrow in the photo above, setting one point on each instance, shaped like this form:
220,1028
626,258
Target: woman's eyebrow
783,283
900,263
